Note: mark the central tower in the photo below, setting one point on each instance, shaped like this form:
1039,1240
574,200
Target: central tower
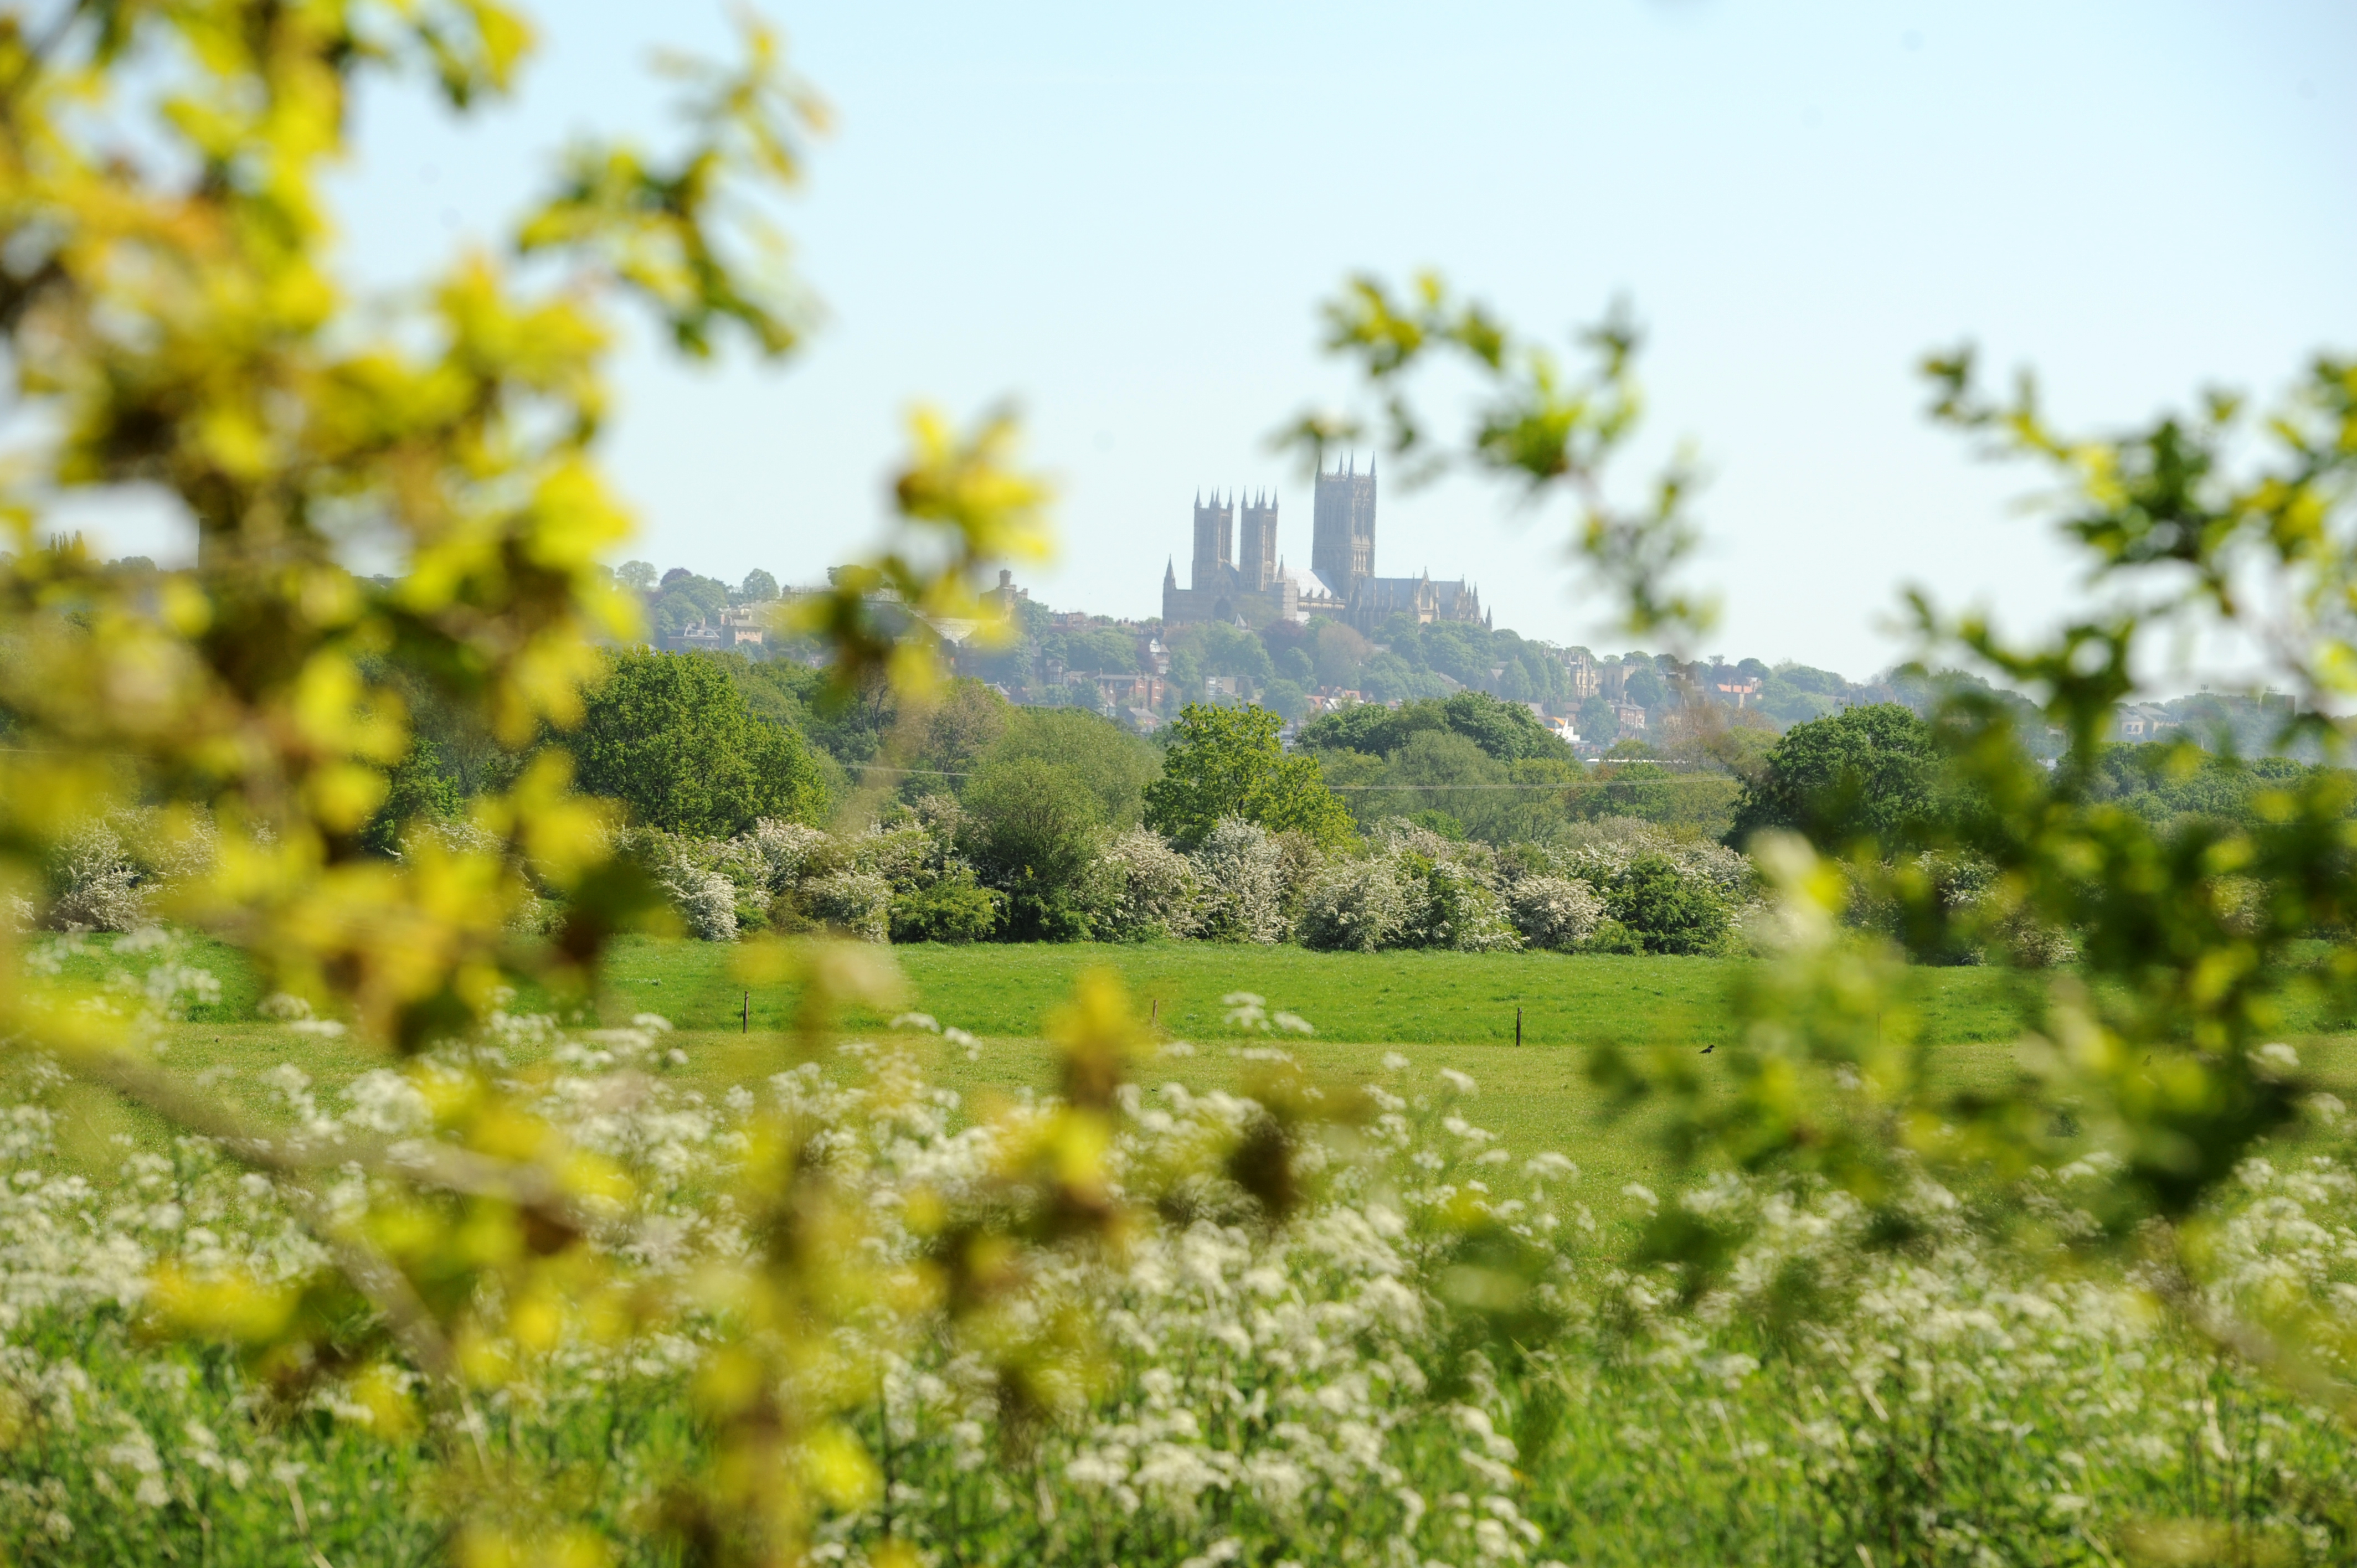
1342,529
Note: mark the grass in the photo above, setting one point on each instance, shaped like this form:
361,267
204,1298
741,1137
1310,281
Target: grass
1667,1456
1440,1009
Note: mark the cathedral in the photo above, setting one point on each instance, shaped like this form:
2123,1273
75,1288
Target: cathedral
1256,589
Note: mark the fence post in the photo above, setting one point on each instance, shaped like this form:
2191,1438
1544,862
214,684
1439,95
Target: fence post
1518,1027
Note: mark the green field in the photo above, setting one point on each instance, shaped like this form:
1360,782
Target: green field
1438,1009
1707,1447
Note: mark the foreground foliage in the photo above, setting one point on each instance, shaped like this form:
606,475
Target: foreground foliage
557,1315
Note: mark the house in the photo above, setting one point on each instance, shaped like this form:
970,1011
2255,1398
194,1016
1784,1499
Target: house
1587,678
2145,721
1730,684
1127,690
1630,715
746,625
1332,699
1561,729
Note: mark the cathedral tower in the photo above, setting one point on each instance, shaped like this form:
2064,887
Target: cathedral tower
1257,565
1214,545
1342,529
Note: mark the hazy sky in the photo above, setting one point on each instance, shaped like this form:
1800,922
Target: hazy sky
1125,216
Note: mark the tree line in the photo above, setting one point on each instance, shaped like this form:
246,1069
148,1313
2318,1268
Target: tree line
1459,823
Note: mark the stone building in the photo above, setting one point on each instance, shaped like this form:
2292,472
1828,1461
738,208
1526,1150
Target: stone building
1342,558
1254,588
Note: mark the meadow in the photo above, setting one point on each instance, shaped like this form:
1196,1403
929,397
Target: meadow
1452,1353
1452,1010
1443,1010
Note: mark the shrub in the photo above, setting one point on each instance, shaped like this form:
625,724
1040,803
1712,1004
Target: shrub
905,855
95,886
784,849
1151,889
1032,829
1241,871
706,900
1354,907
856,903
1554,912
951,908
1453,906
1667,911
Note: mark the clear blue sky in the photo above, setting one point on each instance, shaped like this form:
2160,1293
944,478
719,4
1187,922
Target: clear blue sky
1123,216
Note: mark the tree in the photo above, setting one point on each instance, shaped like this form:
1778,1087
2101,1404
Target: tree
669,736
1033,830
1114,764
758,587
962,728
416,790
1864,773
639,577
1506,731
1227,762
1643,685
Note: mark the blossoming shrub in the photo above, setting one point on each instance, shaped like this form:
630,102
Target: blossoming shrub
856,903
1554,912
1240,871
1154,891
1354,906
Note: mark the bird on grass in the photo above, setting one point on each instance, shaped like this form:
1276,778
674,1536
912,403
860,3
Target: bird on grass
1710,1048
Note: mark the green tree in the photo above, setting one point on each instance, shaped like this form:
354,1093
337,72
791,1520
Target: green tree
1033,830
758,587
416,790
1114,764
1864,773
670,736
1506,731
1227,762
963,725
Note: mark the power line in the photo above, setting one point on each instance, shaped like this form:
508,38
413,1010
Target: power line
1570,784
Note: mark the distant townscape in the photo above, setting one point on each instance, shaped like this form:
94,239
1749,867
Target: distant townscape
1246,629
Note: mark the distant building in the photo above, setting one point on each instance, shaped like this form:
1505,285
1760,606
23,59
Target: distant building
1003,599
1253,589
2144,721
1257,592
1630,715
1343,559
1587,677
